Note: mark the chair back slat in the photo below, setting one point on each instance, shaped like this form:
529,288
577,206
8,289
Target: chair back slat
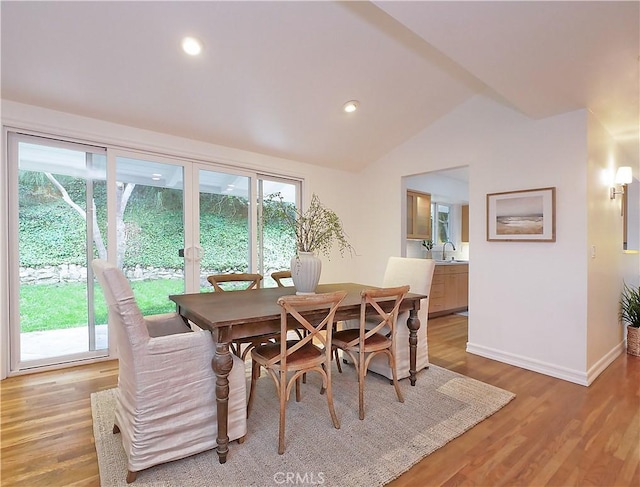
370,298
252,280
296,304
278,276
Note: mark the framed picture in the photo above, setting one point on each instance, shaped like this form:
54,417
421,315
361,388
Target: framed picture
522,216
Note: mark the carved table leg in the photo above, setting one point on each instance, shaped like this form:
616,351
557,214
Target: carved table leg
222,363
413,323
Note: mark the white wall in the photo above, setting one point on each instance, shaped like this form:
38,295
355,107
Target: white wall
528,301
335,188
610,266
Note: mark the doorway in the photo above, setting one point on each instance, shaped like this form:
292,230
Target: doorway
449,199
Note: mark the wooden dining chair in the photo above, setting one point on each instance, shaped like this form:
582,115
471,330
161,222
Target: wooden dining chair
362,344
298,356
242,282
278,276
418,274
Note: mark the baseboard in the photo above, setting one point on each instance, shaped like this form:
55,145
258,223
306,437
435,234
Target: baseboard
545,368
596,369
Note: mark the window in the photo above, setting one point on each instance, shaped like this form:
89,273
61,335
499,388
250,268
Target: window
440,223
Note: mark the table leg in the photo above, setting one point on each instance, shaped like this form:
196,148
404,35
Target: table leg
413,323
222,363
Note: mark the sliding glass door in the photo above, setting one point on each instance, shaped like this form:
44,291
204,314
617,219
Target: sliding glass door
236,235
149,218
167,223
56,315
225,230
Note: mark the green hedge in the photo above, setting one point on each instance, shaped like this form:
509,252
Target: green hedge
55,234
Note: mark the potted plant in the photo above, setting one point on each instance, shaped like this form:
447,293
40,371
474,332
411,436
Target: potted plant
316,231
630,314
428,244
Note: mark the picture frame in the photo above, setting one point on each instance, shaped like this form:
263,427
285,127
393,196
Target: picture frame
522,216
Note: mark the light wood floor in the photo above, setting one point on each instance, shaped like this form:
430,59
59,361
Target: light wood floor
553,433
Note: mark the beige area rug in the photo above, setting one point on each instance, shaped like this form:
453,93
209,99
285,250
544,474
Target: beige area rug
393,436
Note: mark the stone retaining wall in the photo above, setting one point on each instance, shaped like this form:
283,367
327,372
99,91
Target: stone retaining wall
76,273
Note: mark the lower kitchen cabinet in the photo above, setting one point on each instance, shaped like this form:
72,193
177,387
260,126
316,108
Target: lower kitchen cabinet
449,289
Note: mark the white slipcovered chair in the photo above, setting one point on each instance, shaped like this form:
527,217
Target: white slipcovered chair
165,400
417,273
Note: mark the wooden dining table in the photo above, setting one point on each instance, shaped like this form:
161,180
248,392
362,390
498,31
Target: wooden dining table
244,314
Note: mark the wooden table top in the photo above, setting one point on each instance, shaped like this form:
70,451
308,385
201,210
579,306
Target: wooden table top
223,309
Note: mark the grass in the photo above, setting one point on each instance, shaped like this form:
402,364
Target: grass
54,306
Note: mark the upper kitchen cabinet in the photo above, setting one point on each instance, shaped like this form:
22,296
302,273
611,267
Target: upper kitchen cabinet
464,231
418,215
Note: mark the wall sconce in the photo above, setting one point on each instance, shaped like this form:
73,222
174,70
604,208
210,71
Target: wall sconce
624,176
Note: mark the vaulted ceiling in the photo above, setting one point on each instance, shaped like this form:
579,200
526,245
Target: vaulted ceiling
273,76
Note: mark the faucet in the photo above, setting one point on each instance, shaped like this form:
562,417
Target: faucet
443,247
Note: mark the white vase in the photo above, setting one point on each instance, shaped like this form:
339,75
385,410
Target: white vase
305,272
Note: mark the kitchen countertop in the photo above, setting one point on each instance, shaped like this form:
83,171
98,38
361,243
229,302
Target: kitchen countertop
451,262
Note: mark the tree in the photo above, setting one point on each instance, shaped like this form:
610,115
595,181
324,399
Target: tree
123,193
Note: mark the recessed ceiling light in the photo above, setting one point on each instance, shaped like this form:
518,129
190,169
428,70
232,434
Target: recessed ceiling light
351,106
191,46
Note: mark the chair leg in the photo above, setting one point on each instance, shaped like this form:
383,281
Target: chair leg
244,354
255,374
298,389
332,411
361,373
131,476
116,430
283,405
335,351
392,364
322,387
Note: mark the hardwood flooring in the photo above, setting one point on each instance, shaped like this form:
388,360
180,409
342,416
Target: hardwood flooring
553,433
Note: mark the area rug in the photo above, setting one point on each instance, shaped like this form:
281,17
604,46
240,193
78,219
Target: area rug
393,436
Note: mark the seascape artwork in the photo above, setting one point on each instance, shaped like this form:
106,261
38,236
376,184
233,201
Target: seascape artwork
520,216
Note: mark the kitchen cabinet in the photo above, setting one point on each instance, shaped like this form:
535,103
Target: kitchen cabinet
449,289
418,215
464,231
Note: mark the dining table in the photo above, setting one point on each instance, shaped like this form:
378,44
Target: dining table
244,314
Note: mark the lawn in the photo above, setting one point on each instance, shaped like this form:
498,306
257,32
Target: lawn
53,306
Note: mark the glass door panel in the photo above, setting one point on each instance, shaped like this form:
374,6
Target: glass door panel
225,230
277,242
150,230
59,186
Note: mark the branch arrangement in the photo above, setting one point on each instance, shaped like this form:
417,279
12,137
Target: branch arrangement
316,230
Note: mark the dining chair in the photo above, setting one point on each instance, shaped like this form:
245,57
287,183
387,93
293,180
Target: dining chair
278,276
241,282
418,274
311,353
363,343
165,402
